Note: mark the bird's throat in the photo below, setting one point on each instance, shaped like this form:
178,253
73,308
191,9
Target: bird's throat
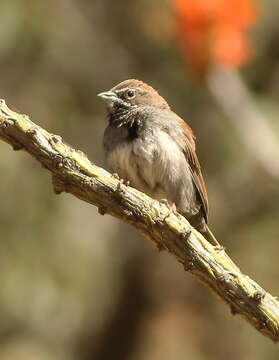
127,118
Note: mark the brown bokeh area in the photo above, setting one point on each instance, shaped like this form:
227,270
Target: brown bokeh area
76,285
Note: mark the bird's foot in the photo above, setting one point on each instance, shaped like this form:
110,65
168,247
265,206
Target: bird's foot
115,176
122,181
171,208
219,247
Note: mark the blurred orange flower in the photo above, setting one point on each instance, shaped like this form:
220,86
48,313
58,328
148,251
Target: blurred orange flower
215,31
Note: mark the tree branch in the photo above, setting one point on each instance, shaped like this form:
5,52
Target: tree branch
72,172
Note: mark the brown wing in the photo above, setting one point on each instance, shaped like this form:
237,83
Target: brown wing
192,159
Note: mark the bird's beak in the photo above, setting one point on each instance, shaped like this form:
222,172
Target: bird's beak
108,96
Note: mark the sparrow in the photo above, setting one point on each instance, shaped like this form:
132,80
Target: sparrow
150,146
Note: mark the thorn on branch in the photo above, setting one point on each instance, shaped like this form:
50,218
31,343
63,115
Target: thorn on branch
69,163
119,187
102,210
258,296
56,139
262,324
188,266
127,213
186,234
60,161
3,105
87,181
58,185
17,146
233,309
220,248
204,263
115,176
188,263
225,278
57,161
25,117
33,131
7,123
160,247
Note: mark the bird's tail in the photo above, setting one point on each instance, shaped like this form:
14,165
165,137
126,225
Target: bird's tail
210,237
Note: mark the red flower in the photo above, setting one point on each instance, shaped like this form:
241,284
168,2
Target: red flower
215,31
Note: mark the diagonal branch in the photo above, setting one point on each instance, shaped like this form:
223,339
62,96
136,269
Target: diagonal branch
72,172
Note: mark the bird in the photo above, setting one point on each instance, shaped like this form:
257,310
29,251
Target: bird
149,145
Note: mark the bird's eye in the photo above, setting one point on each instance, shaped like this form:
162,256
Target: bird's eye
131,94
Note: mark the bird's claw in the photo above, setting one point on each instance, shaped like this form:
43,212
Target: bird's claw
115,176
219,247
121,181
171,208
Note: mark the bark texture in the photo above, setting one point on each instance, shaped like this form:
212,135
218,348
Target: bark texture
72,172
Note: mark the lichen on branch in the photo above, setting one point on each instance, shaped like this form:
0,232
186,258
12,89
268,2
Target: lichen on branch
72,172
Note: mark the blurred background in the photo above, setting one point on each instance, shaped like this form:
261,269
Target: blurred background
76,285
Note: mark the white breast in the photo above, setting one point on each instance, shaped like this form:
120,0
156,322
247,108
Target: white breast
156,166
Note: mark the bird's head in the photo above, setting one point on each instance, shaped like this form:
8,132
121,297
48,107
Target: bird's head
132,94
